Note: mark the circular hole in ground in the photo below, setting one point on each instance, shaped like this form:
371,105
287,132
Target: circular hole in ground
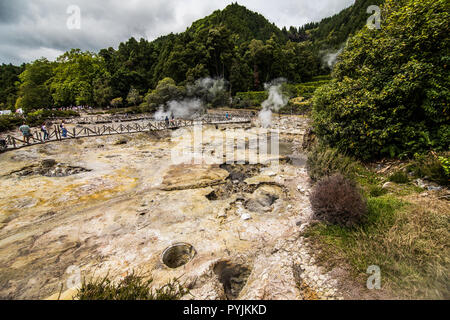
178,255
233,277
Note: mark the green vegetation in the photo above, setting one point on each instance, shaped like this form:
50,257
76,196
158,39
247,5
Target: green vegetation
390,89
10,122
132,287
33,119
409,242
399,177
430,167
333,31
376,191
324,162
34,88
9,75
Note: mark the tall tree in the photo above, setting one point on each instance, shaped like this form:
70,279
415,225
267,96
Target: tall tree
34,87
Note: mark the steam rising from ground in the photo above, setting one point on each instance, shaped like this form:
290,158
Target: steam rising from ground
202,92
329,57
207,88
179,109
274,103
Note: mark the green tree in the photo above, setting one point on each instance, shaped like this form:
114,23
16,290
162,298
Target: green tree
165,91
133,97
75,74
103,91
390,92
34,91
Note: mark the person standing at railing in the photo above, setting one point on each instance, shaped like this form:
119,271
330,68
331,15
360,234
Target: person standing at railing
26,132
63,129
44,130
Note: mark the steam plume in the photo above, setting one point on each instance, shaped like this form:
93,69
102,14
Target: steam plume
274,102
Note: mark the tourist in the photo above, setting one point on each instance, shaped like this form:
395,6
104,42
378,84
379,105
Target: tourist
63,129
227,116
44,130
167,121
26,132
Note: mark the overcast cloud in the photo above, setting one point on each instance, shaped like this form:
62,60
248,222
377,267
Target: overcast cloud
30,29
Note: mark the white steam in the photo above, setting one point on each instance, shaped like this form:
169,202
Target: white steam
331,58
179,109
274,103
203,91
207,88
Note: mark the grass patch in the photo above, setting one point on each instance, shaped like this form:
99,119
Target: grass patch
399,177
132,287
376,191
407,241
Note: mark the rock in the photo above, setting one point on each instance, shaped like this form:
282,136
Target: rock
263,198
420,183
184,177
433,188
246,216
48,163
387,186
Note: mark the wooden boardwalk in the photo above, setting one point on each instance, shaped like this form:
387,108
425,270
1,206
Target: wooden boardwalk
56,134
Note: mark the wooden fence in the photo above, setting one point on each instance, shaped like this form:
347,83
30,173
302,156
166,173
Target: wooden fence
55,133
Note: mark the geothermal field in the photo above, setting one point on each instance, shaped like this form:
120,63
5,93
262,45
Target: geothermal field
122,203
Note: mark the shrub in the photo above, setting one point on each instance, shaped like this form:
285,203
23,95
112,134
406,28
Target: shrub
297,106
132,287
117,102
376,191
337,200
323,162
250,99
430,167
10,122
33,119
402,107
399,177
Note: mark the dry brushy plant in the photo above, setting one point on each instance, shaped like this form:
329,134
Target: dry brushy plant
337,200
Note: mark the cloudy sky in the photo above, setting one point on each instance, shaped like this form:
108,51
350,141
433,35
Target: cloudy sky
30,29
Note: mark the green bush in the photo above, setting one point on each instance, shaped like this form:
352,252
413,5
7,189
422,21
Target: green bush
430,167
389,95
297,106
307,89
33,119
323,162
132,287
249,99
10,122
